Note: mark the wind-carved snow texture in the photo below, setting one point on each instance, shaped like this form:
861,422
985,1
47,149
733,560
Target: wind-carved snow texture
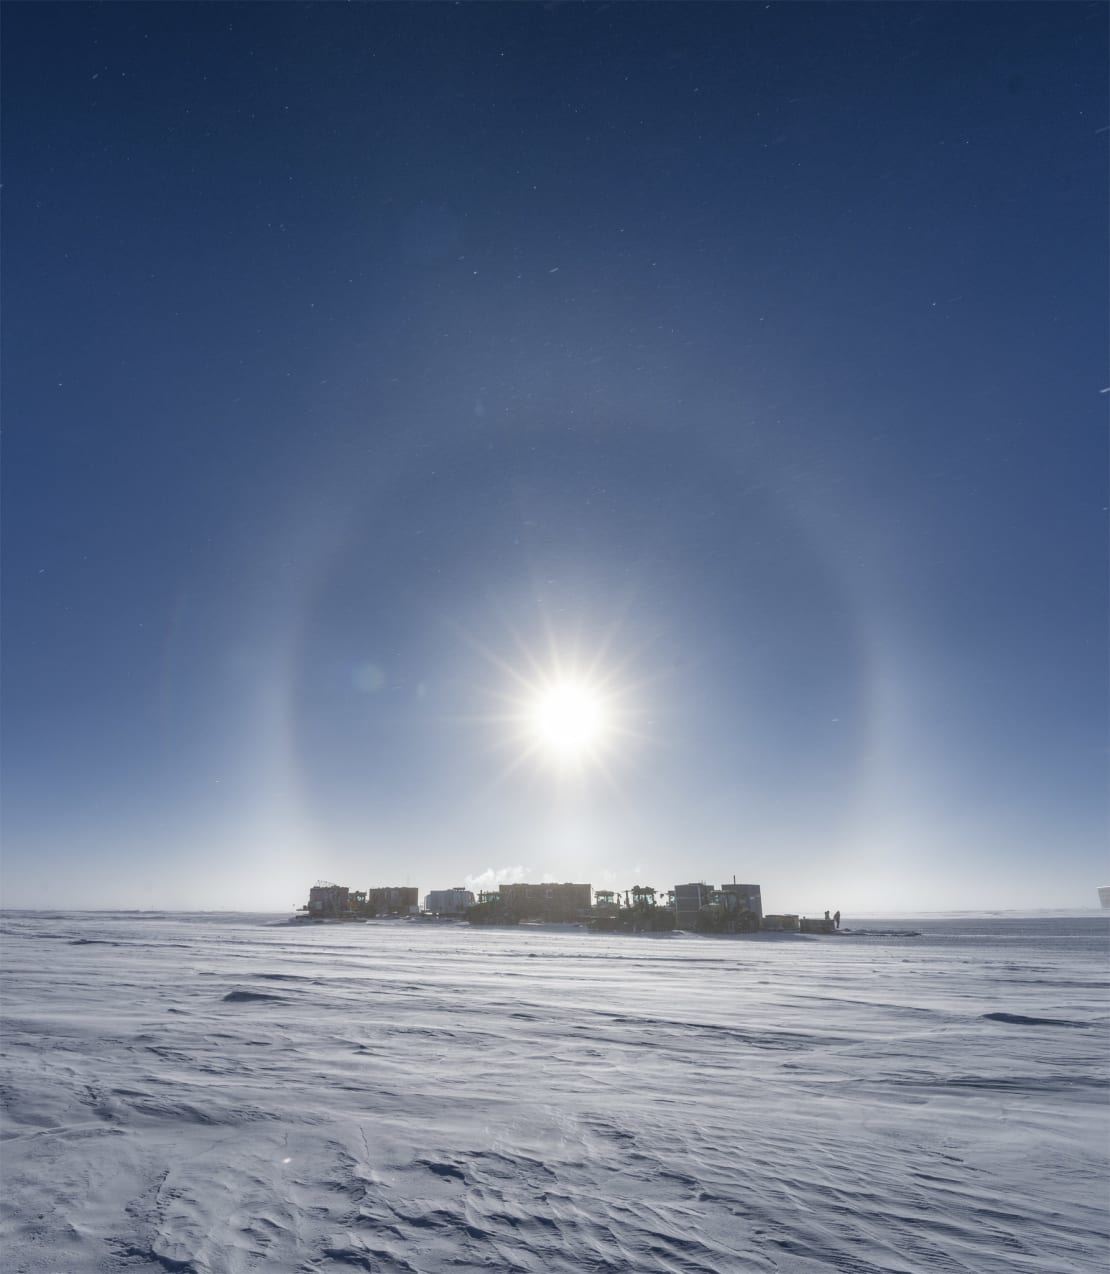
215,1094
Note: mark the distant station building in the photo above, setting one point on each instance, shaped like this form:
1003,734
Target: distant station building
688,902
548,901
811,924
743,900
733,908
326,899
786,923
337,902
392,900
448,902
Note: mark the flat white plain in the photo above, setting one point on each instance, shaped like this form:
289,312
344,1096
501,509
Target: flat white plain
216,1094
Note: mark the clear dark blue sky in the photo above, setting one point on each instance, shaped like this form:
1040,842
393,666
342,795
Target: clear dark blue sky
365,364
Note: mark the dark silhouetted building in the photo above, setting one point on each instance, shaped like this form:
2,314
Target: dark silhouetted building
325,899
688,902
550,902
392,900
734,908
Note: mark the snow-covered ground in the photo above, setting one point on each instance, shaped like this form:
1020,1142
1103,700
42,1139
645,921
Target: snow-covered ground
222,1093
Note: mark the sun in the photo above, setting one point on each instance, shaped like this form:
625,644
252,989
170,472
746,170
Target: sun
568,712
569,719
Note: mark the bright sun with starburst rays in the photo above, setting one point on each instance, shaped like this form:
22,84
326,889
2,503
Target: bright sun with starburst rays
569,720
567,709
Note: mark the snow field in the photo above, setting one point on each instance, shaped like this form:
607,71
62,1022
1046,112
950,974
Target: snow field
220,1094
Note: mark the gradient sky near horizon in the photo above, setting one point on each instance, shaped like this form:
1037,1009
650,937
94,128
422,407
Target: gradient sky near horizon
365,364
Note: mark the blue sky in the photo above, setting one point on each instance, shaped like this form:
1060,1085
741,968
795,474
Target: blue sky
364,365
